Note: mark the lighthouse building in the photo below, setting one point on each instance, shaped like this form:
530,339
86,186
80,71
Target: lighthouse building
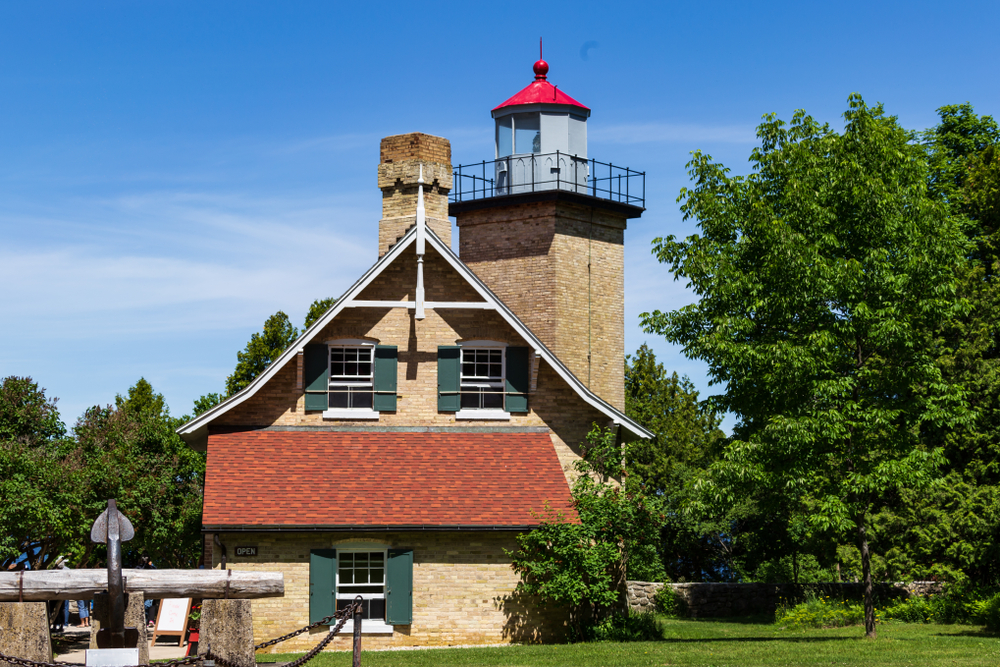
398,447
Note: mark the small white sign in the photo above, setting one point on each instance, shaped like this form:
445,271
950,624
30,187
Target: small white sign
173,615
112,657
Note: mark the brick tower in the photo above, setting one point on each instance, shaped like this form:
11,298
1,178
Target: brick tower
544,227
402,157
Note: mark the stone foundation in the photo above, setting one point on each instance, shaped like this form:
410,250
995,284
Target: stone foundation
701,600
24,631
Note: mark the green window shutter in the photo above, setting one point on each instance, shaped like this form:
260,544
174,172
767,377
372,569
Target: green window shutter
322,583
385,378
316,367
449,378
518,379
399,587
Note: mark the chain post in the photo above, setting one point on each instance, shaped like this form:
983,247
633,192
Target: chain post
358,608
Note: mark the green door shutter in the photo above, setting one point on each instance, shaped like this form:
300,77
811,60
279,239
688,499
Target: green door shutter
449,378
385,378
399,587
316,367
518,379
322,583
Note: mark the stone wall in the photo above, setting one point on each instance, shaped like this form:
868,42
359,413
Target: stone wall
701,600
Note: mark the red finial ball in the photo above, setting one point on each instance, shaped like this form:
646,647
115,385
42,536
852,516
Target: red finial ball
541,69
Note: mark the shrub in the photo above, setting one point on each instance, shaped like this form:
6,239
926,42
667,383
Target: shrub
821,612
668,601
627,627
964,605
991,613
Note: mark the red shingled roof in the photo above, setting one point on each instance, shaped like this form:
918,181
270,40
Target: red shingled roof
296,478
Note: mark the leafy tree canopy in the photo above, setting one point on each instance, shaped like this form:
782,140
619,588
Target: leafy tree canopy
822,278
581,567
261,351
37,477
317,310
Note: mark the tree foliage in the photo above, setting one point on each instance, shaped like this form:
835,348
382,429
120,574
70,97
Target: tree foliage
952,532
133,454
317,310
823,278
37,476
53,485
262,349
581,567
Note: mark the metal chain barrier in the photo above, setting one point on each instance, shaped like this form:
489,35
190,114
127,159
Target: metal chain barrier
323,621
343,615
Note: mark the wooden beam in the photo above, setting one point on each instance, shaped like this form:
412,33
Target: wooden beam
474,305
154,584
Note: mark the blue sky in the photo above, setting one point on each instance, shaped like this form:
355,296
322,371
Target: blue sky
172,173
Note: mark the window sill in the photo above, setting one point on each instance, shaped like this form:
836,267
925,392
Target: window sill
367,628
494,415
347,413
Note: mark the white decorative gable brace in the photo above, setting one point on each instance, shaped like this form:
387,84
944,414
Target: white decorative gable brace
198,427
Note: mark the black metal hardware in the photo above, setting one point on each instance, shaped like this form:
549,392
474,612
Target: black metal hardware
496,178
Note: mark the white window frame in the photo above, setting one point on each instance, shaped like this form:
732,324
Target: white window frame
493,414
349,413
368,626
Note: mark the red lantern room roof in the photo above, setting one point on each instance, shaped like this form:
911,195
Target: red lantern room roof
540,91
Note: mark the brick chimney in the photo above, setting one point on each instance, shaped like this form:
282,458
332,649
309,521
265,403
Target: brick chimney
402,155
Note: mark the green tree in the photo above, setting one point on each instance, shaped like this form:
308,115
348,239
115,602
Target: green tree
131,452
686,432
205,403
262,349
317,310
964,542
39,478
960,136
822,278
581,567
687,438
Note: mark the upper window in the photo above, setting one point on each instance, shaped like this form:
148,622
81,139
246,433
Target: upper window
351,377
482,378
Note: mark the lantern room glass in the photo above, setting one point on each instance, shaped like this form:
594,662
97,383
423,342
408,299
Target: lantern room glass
505,136
527,133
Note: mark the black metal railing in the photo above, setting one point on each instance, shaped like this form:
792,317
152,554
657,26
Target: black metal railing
539,172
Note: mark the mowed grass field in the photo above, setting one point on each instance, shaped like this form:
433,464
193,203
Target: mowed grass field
717,644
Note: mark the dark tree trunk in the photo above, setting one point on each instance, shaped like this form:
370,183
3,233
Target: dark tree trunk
866,570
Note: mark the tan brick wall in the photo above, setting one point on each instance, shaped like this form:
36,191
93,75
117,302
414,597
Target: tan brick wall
554,404
460,581
560,267
402,157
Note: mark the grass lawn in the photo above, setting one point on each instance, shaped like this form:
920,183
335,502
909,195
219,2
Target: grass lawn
718,643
